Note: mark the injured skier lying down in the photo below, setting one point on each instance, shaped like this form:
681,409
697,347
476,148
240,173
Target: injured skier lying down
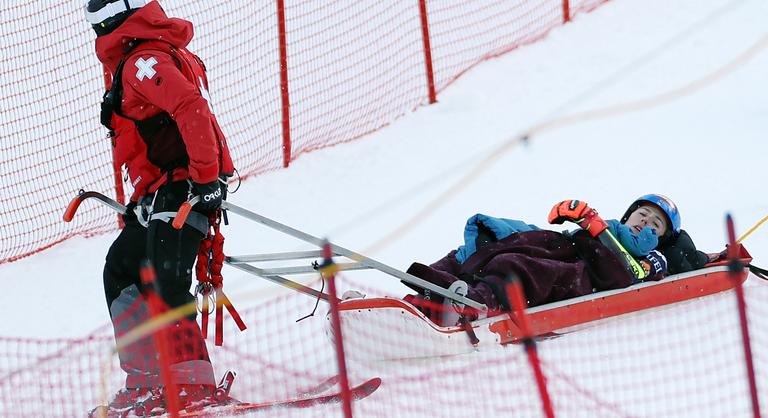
646,244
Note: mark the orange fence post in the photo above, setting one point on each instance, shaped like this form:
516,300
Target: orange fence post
566,11
517,300
328,271
735,266
148,278
427,51
284,99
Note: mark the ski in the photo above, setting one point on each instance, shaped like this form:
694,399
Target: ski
306,399
319,388
359,392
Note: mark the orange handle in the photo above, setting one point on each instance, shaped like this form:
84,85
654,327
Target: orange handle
72,209
181,215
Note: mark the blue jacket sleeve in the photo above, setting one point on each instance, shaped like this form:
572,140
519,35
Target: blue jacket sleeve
500,227
640,244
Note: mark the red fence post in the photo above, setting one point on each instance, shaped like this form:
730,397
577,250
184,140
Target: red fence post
328,270
119,191
566,11
735,266
427,51
517,300
160,337
284,83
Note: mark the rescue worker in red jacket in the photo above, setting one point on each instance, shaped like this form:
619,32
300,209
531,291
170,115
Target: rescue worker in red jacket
164,131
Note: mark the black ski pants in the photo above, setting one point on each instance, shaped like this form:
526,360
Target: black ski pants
172,253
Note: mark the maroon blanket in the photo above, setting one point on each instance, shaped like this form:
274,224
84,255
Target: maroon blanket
552,267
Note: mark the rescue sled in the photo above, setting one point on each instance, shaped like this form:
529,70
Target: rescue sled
424,338
363,317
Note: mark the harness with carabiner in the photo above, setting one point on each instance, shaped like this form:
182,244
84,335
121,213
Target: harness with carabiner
210,259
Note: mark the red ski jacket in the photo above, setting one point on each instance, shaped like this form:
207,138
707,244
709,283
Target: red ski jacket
161,75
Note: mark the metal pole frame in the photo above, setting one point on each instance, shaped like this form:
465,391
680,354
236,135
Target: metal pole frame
358,261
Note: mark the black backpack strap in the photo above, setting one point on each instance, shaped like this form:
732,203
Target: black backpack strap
110,103
113,97
167,154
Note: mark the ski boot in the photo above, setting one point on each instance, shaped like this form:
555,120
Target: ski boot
452,310
122,404
191,398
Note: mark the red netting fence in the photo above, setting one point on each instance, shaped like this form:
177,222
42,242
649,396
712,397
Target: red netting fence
349,68
682,360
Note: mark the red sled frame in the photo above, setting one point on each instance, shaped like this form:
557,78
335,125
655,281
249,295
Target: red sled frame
568,315
563,315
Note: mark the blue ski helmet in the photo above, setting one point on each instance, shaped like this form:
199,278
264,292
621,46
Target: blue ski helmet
665,204
106,15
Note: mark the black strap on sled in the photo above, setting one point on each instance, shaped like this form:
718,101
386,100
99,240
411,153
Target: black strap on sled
467,327
757,271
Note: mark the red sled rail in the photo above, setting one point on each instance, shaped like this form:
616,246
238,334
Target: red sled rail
562,316
558,316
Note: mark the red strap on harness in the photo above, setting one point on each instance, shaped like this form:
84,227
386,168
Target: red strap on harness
210,260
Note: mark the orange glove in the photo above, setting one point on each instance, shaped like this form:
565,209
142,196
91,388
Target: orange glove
579,213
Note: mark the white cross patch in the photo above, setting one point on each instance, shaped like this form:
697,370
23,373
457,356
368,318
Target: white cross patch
145,68
205,94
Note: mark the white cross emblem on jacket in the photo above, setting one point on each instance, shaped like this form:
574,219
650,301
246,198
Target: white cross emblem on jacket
145,68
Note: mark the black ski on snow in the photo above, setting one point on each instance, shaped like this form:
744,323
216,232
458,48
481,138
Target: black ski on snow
360,391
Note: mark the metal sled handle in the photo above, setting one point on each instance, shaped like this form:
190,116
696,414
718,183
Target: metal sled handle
352,255
74,204
184,211
340,251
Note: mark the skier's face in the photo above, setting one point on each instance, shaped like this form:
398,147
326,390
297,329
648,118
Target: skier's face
648,215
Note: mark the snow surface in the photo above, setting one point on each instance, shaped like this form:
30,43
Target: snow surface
658,109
